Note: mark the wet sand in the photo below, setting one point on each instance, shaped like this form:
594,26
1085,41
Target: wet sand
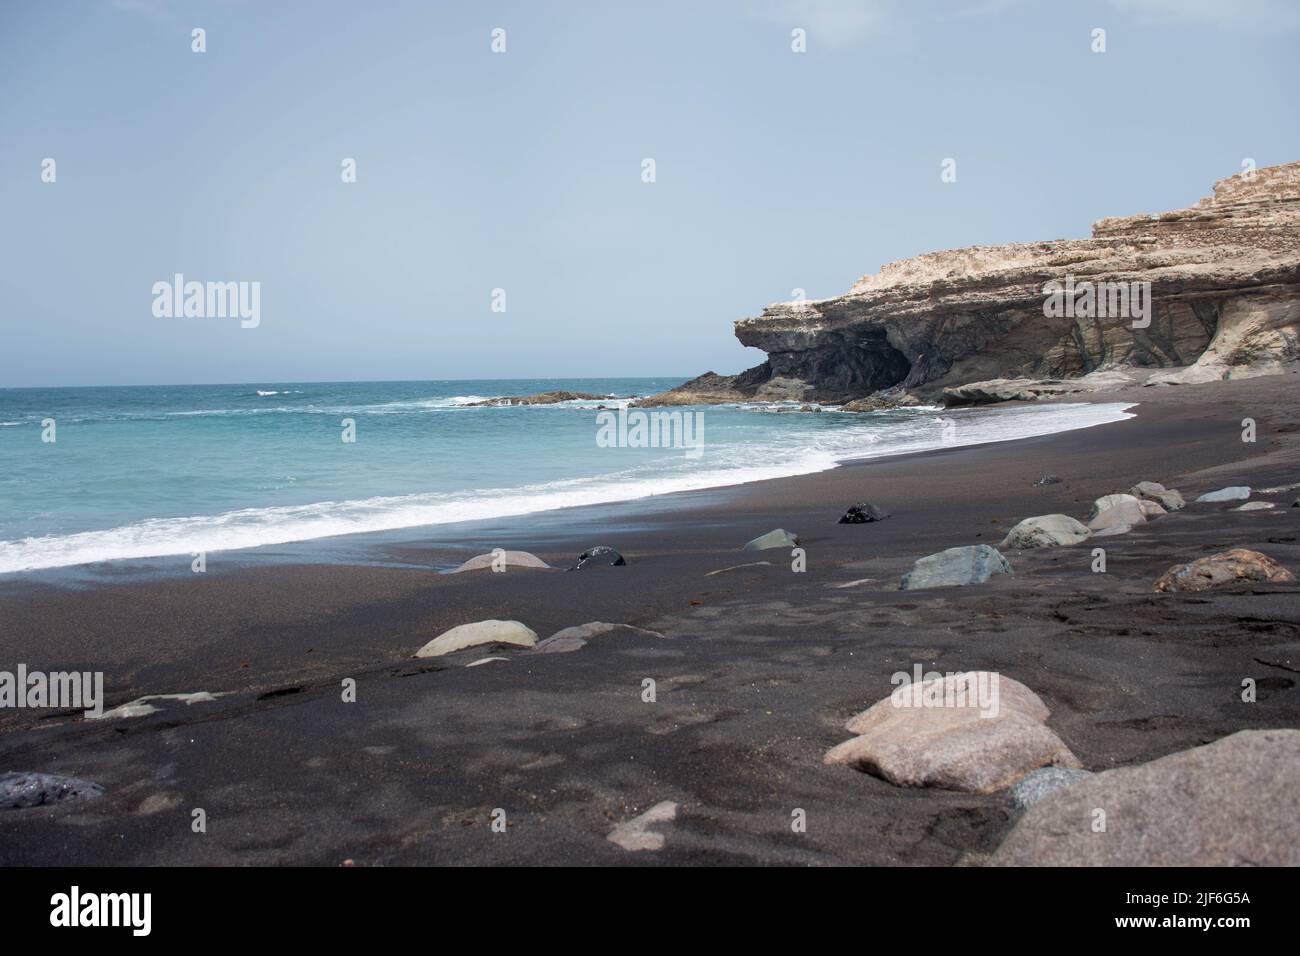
759,670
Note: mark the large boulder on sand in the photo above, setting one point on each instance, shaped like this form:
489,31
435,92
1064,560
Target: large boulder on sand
1229,803
1110,511
1167,498
977,732
479,632
502,559
1231,493
576,638
1045,531
1226,567
954,567
778,538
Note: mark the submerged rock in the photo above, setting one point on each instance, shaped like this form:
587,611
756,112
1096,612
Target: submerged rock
476,633
778,538
862,513
598,557
541,398
894,397
1224,568
1231,493
1047,480
1229,803
1045,531
956,567
506,559
19,790
977,732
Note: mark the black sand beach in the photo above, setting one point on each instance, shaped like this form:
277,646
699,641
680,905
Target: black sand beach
759,670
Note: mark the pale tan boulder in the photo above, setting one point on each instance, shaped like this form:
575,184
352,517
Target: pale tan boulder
479,632
1044,531
1110,511
1167,498
505,559
977,732
1151,509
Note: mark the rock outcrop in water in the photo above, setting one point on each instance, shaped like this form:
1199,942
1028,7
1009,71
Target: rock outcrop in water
541,398
969,325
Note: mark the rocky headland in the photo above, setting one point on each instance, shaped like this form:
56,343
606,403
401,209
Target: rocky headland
1216,295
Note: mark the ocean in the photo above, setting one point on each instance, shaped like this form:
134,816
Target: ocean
149,471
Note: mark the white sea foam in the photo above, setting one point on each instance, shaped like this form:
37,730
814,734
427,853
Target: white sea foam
385,408
782,456
402,407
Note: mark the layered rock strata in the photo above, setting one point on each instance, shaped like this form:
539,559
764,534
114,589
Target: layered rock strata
1204,293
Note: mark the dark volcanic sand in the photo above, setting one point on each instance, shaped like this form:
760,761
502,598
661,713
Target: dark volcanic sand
761,668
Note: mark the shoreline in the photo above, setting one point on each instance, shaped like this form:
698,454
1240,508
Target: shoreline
758,669
353,545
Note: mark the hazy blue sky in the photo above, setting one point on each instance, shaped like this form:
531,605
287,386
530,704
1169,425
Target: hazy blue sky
522,170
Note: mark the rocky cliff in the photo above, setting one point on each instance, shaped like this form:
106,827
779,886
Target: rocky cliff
1215,293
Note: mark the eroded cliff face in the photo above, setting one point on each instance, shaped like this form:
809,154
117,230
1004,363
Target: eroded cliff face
1224,287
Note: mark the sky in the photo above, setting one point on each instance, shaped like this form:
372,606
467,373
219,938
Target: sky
523,170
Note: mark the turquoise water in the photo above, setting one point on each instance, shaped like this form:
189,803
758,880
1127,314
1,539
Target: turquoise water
148,471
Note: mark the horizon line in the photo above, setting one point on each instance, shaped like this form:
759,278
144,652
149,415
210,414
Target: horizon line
360,381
